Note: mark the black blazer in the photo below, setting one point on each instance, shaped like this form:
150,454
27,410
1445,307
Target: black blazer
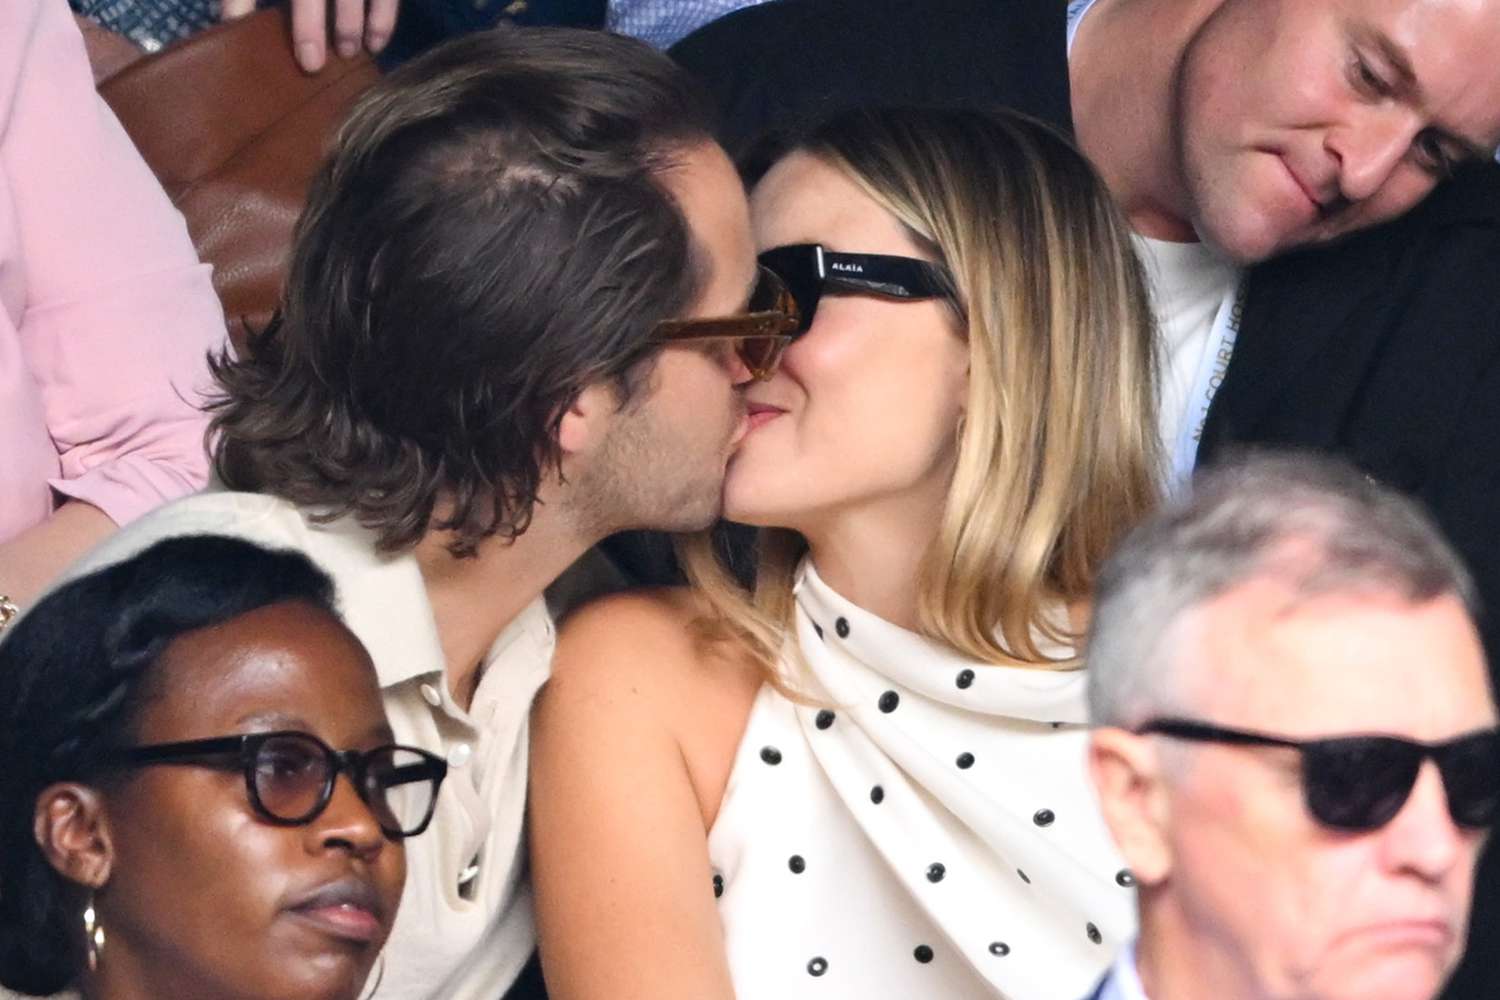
1384,348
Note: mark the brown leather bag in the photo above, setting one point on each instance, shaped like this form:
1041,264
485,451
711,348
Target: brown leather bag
235,131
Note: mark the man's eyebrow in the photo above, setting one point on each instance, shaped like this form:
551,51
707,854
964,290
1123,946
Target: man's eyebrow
1395,56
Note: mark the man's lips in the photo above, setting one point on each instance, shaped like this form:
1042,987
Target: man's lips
1320,205
348,908
1433,933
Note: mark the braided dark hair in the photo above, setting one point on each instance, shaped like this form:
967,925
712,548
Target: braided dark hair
71,675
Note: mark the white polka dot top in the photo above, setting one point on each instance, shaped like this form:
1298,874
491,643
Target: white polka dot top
928,833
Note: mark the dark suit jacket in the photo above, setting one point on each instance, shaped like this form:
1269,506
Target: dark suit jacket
1384,348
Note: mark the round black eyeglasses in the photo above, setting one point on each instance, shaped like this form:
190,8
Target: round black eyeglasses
289,776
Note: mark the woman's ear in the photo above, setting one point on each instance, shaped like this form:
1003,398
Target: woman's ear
72,829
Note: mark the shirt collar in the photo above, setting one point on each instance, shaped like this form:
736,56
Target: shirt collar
383,599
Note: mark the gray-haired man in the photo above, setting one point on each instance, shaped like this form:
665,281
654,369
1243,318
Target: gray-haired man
1297,751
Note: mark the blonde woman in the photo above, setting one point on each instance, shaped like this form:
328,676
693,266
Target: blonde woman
866,777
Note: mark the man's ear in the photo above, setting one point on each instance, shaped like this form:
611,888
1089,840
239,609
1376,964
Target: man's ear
1127,773
586,421
72,830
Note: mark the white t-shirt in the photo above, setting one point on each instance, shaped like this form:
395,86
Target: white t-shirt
1189,284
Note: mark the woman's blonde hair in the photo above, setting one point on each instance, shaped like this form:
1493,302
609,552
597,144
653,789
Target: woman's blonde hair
1058,451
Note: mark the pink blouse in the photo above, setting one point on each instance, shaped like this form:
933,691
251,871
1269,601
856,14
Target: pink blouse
106,316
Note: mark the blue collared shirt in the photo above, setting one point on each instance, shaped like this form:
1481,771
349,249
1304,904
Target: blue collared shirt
664,22
1124,982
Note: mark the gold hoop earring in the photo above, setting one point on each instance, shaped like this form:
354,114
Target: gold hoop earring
93,933
379,975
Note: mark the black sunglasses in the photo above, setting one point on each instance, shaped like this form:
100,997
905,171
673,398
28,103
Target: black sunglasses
290,775
809,268
1360,783
760,334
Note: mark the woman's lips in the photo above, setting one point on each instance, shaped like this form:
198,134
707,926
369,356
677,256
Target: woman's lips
760,414
343,920
348,908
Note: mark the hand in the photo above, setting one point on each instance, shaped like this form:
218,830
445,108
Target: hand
355,22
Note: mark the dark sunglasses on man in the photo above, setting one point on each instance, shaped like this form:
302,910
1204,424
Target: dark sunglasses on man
791,282
289,776
1359,783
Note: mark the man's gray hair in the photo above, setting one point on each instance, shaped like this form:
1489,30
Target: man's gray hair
1314,523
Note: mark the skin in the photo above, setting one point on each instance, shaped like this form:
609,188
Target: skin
657,462
1263,125
199,895
1243,893
853,441
631,754
662,461
30,561
353,23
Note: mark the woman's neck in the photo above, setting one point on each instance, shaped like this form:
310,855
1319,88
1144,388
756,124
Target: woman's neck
874,556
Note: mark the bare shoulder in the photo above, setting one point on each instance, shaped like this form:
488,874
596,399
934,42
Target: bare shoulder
632,669
615,622
648,637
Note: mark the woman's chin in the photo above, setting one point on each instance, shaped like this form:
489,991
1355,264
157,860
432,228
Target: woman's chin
753,512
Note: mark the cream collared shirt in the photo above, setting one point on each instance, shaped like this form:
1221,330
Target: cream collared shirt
465,927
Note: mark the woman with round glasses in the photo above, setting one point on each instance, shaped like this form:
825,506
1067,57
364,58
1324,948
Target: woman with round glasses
199,795
865,777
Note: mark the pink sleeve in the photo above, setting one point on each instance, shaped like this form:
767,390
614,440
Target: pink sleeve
119,315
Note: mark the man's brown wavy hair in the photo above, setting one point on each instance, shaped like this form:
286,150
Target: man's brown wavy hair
488,237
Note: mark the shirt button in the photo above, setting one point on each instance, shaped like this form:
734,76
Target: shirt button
431,695
459,755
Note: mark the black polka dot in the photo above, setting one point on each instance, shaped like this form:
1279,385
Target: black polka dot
965,678
818,629
1043,817
922,953
718,886
824,719
1058,725
936,871
770,755
1093,933
841,626
877,795
965,760
1124,878
1024,877
796,864
817,966
999,949
889,701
